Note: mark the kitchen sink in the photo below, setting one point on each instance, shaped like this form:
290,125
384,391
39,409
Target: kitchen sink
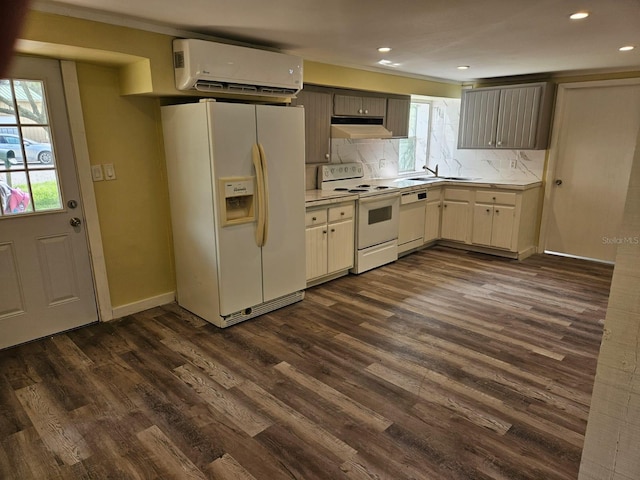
434,179
426,179
458,178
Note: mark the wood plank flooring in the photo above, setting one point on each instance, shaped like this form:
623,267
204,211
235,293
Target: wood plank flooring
442,365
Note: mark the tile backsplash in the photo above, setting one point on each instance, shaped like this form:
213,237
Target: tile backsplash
381,158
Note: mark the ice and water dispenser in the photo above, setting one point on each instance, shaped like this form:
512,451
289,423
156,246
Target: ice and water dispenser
237,200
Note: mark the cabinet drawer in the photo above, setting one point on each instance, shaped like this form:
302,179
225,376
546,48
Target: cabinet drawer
456,194
316,217
340,212
502,198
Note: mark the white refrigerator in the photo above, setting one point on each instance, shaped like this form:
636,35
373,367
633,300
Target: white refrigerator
236,188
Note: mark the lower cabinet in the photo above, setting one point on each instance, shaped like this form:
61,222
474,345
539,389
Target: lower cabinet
456,214
433,214
499,221
494,219
329,241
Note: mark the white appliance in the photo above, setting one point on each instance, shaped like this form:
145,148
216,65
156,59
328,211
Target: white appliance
412,218
218,67
377,213
236,186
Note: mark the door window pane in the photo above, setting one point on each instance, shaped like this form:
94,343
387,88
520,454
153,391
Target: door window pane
28,172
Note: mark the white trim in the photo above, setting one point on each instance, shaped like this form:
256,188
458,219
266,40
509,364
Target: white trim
552,160
140,305
83,171
560,254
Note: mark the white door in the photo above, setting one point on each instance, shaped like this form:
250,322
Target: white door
233,135
590,162
46,283
281,133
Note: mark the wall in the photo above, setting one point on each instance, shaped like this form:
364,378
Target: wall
613,429
133,209
123,72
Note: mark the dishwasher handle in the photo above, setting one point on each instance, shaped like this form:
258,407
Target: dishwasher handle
413,197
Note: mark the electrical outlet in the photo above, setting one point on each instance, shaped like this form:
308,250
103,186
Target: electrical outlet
514,164
96,173
383,163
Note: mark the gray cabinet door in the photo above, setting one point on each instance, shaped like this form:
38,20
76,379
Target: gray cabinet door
374,106
317,117
397,118
478,118
518,117
359,106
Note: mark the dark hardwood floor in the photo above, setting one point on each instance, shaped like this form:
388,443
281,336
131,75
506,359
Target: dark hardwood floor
442,365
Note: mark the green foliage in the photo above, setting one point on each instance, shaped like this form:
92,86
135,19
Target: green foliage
44,195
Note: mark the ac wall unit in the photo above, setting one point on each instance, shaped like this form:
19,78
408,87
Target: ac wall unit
217,67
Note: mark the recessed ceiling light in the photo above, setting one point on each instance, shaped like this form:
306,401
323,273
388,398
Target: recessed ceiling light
626,48
579,15
463,67
384,49
388,63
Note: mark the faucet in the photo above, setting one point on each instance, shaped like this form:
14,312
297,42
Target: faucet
435,172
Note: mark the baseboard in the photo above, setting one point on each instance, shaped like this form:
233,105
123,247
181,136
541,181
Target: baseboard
145,304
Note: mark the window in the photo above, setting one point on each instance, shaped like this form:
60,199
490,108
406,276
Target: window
28,173
414,151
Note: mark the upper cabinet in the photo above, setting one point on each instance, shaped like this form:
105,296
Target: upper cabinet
359,106
317,123
321,103
397,119
513,117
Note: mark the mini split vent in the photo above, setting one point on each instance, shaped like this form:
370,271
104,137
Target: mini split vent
216,67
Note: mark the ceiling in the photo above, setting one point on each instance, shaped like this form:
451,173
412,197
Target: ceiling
429,38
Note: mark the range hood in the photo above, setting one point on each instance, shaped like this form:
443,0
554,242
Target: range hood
360,131
358,127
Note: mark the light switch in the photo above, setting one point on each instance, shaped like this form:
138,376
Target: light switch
96,173
109,171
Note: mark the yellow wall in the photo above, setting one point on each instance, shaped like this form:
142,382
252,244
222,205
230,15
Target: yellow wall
133,209
335,76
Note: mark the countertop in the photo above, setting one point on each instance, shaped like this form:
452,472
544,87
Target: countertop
315,198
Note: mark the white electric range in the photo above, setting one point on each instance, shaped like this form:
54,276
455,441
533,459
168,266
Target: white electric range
377,213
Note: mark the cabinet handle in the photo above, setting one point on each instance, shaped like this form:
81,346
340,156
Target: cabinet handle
499,144
488,210
497,211
333,230
359,110
490,143
366,112
314,219
324,231
326,155
445,205
342,213
494,199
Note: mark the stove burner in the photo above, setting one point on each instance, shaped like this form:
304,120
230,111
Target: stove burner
364,186
341,189
382,187
358,190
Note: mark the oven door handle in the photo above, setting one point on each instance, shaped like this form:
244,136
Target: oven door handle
379,198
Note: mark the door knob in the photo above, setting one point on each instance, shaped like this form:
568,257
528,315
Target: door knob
75,222
558,182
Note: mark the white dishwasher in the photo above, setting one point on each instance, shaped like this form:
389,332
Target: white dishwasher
412,216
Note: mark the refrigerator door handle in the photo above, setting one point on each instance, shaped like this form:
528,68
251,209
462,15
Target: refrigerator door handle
265,193
257,164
